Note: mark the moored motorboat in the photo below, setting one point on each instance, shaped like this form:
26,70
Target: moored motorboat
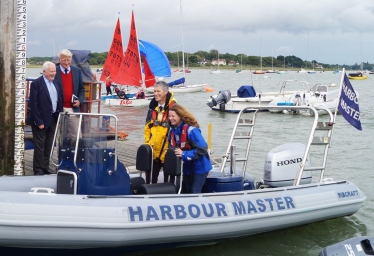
246,96
358,76
93,202
319,96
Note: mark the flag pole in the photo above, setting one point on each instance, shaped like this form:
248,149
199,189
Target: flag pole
336,108
340,92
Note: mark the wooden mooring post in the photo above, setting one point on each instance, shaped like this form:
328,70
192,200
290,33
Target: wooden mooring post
8,21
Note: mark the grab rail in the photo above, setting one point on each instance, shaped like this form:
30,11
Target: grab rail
316,126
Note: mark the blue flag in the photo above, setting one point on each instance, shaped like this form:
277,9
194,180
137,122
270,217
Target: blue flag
348,104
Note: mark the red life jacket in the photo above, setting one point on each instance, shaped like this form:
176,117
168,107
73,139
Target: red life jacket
183,140
164,122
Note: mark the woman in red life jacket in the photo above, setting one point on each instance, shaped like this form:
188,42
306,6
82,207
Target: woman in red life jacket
189,144
108,85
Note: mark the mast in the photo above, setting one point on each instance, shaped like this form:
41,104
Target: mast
307,48
241,61
272,68
361,65
260,55
178,58
181,14
140,59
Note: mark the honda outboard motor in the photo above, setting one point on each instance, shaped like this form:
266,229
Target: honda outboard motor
222,98
282,164
355,246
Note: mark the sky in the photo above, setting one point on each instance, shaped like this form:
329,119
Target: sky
328,31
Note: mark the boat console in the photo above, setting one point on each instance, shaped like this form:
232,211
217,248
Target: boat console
87,160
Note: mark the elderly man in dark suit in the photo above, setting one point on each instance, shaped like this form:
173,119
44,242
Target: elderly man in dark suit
69,79
45,104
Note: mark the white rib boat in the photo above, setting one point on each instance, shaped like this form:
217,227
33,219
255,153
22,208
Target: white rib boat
93,202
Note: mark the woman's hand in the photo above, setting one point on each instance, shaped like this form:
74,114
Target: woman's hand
178,152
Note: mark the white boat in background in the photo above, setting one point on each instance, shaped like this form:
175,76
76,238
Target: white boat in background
132,102
320,106
181,88
302,71
189,88
247,97
281,72
272,66
320,96
93,202
216,71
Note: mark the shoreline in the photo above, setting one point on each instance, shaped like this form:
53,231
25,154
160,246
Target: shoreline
211,67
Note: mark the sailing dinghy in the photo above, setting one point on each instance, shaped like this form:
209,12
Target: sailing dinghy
130,71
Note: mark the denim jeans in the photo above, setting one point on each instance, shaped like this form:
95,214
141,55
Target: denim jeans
194,182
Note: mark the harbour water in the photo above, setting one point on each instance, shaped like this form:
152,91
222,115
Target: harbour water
349,157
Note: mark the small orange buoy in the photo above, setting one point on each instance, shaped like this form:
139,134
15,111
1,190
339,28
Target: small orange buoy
209,89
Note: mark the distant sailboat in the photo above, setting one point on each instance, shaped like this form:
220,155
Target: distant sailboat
260,72
241,67
360,75
284,66
216,71
272,64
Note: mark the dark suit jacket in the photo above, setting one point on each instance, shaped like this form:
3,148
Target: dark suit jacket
40,104
77,82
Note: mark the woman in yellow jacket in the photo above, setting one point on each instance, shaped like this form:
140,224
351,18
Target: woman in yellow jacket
157,127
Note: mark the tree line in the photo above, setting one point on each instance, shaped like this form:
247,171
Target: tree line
200,58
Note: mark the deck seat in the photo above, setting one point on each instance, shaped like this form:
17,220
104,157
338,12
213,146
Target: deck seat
172,166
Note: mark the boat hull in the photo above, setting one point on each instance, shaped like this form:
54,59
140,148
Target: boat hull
128,102
183,88
188,88
48,220
358,77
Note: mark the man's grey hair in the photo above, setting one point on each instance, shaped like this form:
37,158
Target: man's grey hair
64,52
47,64
163,85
